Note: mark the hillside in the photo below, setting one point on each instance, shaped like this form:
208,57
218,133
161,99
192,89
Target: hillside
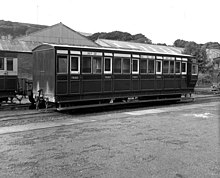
10,30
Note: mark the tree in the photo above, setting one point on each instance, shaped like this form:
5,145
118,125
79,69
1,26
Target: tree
180,43
199,53
121,36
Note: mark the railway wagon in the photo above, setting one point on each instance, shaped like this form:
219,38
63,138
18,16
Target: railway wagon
8,77
75,76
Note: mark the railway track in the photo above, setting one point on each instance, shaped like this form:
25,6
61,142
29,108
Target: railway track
17,106
17,117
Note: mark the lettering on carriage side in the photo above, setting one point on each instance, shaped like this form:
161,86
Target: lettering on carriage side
62,51
108,54
135,55
89,53
75,52
122,55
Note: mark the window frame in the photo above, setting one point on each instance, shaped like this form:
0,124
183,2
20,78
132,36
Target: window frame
177,61
93,57
152,73
168,72
122,65
145,60
184,73
7,60
3,63
74,72
60,55
135,72
108,72
196,65
90,65
172,73
159,72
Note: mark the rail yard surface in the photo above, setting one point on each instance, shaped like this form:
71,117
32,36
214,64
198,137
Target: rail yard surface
176,141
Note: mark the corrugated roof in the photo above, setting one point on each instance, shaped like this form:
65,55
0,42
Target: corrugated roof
59,34
17,46
140,47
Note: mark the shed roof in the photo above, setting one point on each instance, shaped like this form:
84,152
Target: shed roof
47,45
17,46
59,34
140,47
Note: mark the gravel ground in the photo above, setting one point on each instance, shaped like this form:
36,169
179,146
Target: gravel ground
175,141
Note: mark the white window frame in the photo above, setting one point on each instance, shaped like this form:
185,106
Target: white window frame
159,61
184,73
135,72
75,72
108,72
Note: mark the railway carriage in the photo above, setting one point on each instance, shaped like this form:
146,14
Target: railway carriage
8,77
77,76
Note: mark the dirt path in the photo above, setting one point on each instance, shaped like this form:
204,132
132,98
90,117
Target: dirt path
162,142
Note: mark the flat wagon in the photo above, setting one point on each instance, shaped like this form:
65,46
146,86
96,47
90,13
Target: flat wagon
76,76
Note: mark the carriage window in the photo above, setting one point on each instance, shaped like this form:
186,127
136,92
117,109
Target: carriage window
165,67
86,60
158,67
194,69
143,66
184,67
107,65
117,65
75,63
150,66
171,67
96,65
135,66
177,67
62,64
1,63
10,64
126,66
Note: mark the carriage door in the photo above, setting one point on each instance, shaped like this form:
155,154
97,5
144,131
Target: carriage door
184,73
107,80
74,87
62,72
135,72
159,77
2,73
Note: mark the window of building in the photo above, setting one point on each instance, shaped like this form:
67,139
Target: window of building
75,64
172,71
177,67
1,63
184,68
135,66
107,65
143,66
62,64
10,64
117,65
96,65
166,67
86,64
158,67
194,69
126,66
151,66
